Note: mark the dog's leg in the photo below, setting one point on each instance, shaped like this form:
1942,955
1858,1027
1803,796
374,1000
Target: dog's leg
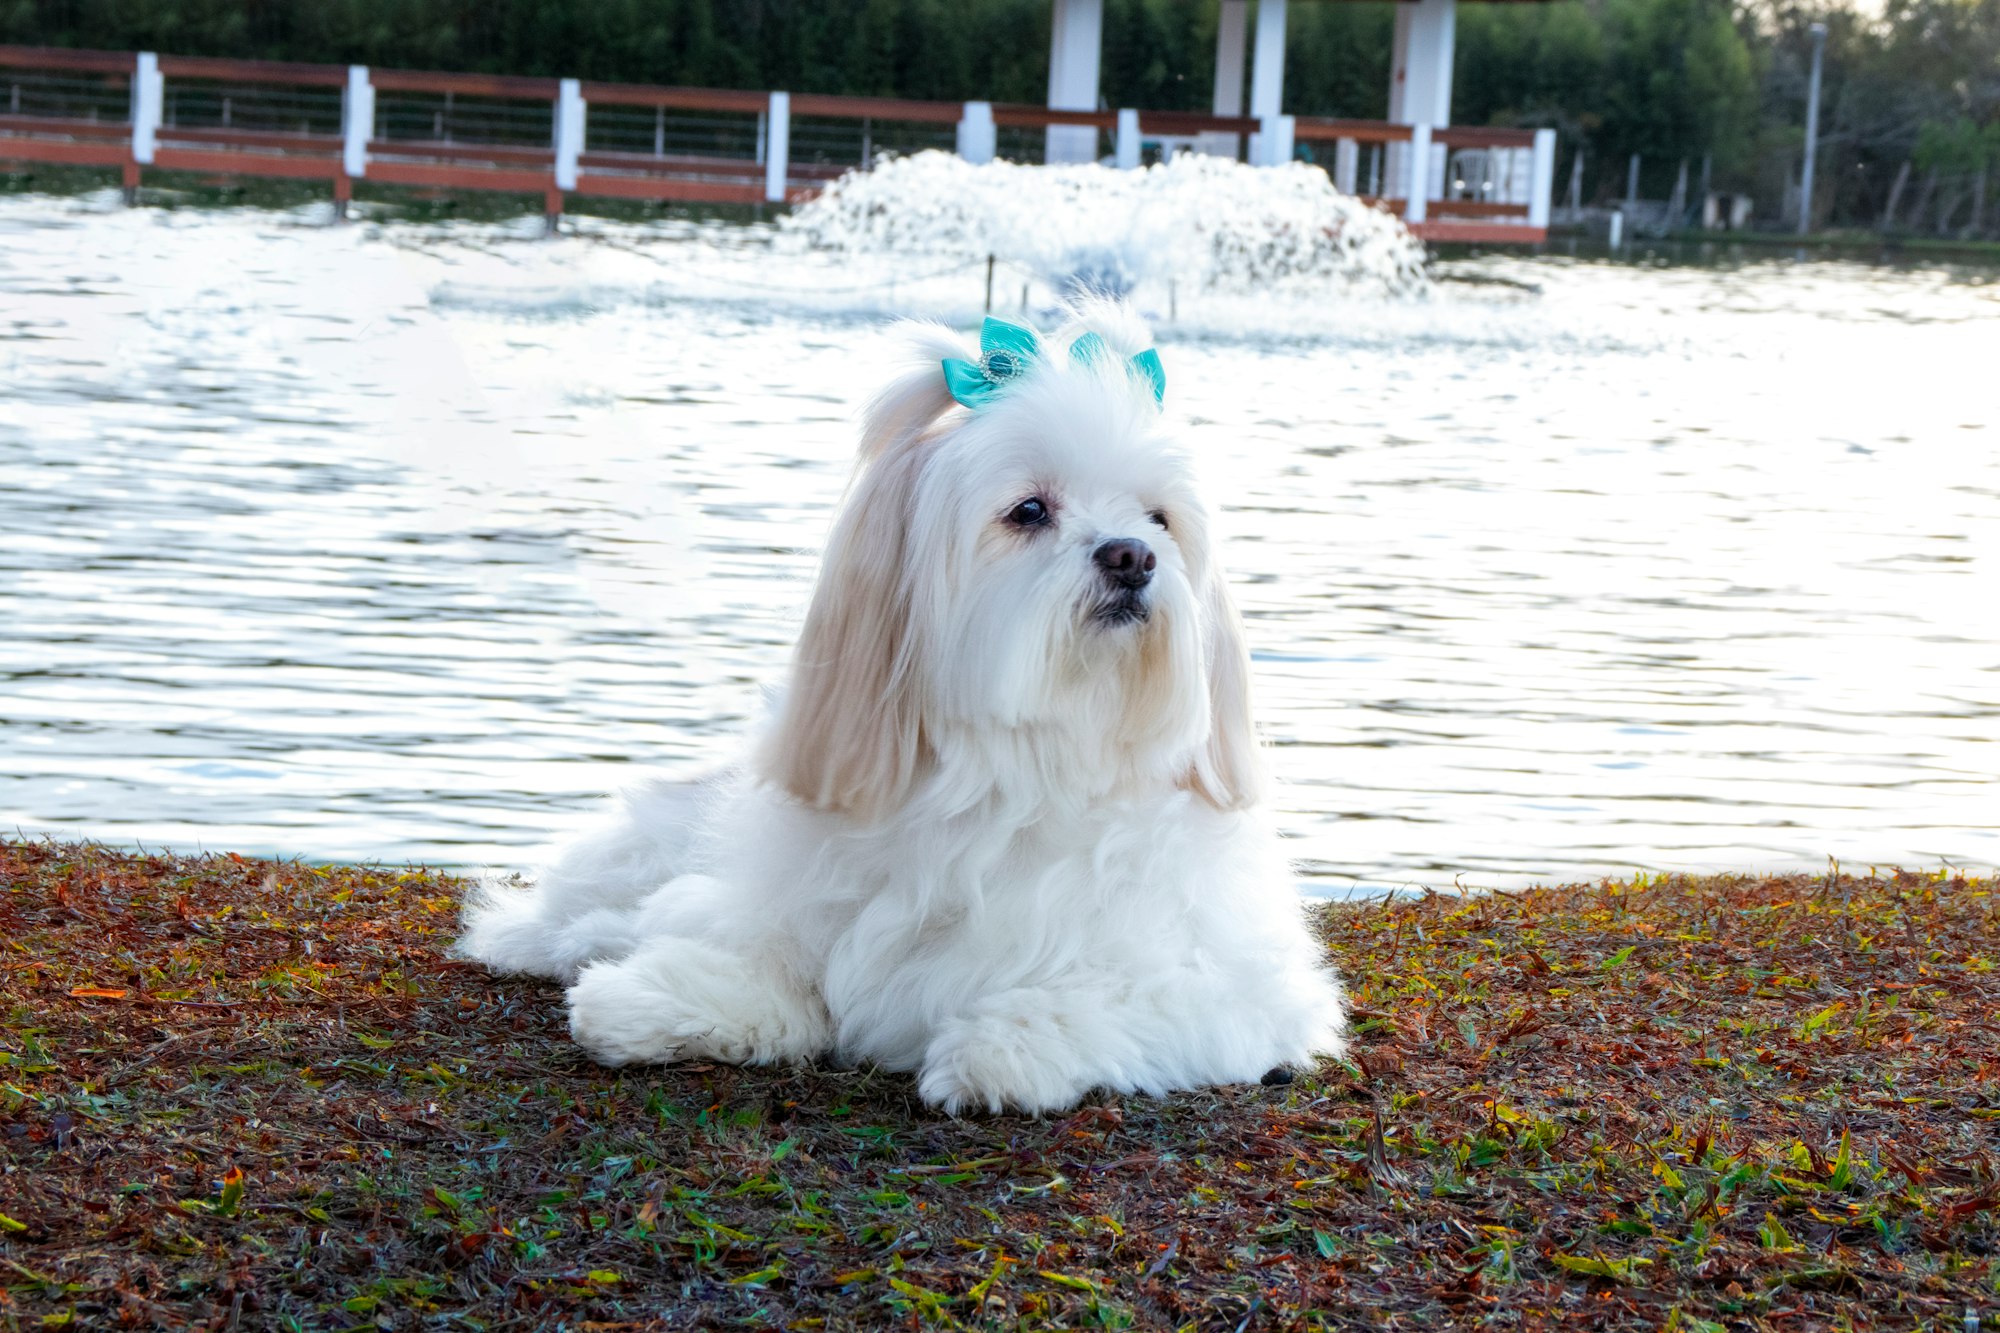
681,999
1042,1049
1032,1050
579,907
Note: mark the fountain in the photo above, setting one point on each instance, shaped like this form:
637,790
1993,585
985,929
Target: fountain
1199,222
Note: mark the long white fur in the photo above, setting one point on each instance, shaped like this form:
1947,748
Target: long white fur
987,837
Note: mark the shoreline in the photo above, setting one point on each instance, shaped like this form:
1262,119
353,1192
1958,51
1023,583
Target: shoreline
378,204
260,1091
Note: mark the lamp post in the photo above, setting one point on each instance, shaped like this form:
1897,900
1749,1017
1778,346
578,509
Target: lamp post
1812,130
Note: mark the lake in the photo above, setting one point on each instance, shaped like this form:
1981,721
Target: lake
403,541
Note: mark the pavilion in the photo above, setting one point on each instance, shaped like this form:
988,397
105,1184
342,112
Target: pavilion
1486,184
1419,80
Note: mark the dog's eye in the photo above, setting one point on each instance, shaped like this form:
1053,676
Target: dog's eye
1030,513
1159,516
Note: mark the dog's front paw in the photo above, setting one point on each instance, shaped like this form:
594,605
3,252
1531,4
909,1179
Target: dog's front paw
679,1000
622,1018
999,1063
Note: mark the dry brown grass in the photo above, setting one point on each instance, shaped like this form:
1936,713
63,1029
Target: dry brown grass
254,1094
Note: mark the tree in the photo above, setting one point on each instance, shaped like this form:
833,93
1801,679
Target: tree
1679,82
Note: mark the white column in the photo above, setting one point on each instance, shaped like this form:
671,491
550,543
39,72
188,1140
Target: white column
1396,156
1075,43
778,148
569,132
1128,140
1267,74
1346,165
978,137
1229,57
1267,80
1420,79
1420,91
1230,30
148,102
1416,207
1542,184
357,121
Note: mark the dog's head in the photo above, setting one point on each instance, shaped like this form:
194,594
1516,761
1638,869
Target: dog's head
1025,591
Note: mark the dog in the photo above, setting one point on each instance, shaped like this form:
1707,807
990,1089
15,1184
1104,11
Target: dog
1004,828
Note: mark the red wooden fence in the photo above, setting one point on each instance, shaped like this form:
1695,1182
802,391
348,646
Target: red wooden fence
226,118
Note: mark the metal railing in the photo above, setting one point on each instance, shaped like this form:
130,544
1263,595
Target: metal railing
558,137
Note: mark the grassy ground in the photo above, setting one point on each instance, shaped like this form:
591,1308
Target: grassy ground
235,1093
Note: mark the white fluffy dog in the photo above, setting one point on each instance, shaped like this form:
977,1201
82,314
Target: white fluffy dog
1003,829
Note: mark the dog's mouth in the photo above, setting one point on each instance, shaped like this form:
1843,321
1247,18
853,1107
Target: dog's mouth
1128,606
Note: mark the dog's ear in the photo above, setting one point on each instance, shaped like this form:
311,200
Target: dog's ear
1229,768
849,734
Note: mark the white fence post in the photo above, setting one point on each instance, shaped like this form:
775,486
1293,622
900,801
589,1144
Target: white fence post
148,101
1128,140
357,121
778,148
978,138
1541,190
570,110
1416,204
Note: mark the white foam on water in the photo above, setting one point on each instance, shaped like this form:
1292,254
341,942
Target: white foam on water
1207,222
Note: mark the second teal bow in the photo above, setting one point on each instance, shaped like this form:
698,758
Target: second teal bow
1007,350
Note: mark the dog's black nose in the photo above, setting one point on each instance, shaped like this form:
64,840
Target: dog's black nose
1126,561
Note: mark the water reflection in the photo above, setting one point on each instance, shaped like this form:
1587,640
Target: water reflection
401,543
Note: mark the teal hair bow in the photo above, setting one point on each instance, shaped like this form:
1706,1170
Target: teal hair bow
1007,350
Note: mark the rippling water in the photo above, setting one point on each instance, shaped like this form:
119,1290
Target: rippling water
402,542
